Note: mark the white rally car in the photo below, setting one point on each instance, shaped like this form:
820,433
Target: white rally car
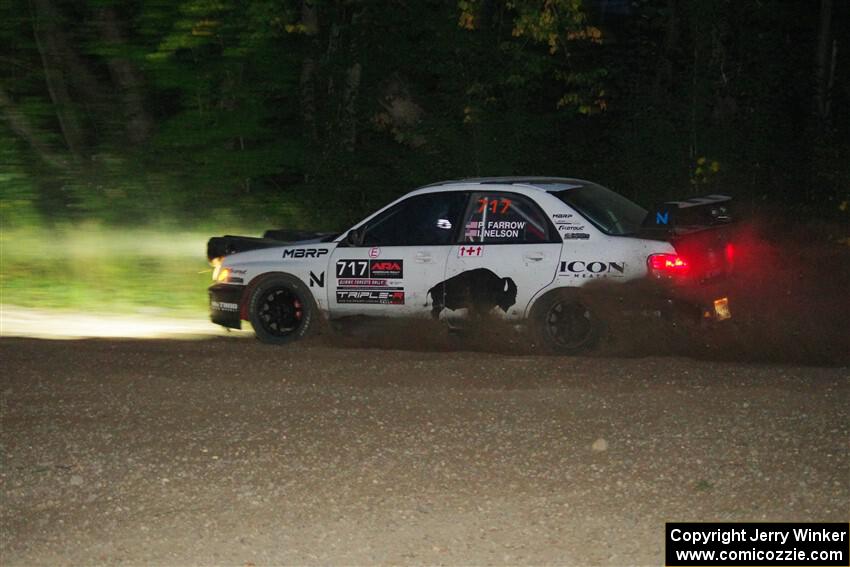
527,250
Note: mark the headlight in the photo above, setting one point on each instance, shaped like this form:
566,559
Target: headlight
221,274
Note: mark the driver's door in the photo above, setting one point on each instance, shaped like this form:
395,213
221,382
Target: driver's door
387,269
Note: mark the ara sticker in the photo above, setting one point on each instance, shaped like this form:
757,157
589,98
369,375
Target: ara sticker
392,269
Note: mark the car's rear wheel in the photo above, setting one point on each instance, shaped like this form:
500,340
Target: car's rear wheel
565,322
281,309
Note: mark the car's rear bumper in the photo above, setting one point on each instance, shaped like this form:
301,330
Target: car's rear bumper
707,302
225,305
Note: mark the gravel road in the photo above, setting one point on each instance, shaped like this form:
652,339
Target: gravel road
227,452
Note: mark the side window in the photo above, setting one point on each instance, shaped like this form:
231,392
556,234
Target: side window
424,220
505,218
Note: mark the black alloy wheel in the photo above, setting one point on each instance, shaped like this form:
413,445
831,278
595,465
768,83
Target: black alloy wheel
280,312
566,325
281,309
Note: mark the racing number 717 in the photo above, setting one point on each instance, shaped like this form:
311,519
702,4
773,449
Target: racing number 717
493,204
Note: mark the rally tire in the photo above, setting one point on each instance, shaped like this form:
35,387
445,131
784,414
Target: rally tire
565,322
281,309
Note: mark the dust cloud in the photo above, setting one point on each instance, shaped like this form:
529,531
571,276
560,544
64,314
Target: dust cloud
788,294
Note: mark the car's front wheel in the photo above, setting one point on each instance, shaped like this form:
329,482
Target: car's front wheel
281,309
564,322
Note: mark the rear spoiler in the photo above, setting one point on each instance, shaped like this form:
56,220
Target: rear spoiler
691,214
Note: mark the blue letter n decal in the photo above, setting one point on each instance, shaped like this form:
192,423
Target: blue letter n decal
662,218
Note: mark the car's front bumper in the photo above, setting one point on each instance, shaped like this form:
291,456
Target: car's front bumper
226,305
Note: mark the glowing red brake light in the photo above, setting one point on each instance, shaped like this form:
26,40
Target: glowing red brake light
667,265
730,254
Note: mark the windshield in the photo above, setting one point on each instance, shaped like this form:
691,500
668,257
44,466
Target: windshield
610,212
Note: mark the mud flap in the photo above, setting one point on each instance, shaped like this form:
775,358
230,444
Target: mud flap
225,301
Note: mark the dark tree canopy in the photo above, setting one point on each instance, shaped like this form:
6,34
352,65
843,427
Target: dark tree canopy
312,112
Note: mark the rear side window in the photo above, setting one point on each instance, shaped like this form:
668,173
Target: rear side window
608,211
505,218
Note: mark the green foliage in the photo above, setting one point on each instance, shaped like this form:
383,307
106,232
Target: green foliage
17,206
104,270
312,113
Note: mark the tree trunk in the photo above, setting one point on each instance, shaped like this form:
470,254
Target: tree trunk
664,74
20,125
824,68
45,33
81,78
352,89
307,83
138,122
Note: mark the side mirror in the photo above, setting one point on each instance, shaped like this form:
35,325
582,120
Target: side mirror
355,237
